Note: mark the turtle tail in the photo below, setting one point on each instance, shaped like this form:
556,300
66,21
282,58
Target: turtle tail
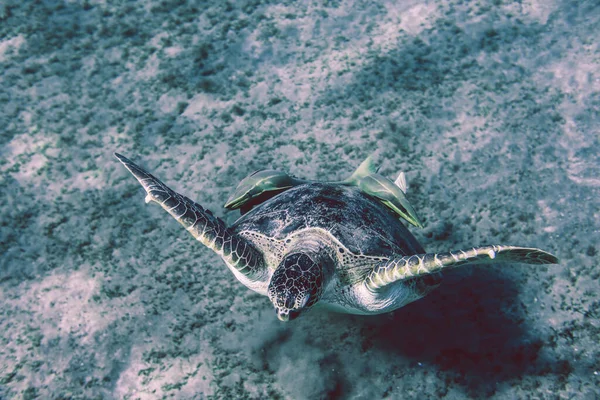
201,223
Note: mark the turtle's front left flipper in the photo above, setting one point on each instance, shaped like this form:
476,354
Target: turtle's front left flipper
408,267
204,226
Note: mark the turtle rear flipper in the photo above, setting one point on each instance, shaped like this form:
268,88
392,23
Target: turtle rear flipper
204,226
408,267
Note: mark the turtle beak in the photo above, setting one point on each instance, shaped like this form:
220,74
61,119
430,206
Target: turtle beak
283,315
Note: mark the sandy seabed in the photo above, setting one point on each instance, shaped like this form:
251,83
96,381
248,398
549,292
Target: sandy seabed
492,108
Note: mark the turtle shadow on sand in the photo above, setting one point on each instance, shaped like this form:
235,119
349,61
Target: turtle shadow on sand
472,327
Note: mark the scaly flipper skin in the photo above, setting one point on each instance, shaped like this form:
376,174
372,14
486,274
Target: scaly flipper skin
402,268
205,227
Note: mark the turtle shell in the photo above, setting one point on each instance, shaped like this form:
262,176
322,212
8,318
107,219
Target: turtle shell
360,222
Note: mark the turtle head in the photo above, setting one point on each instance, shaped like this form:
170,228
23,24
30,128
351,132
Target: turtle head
265,183
296,285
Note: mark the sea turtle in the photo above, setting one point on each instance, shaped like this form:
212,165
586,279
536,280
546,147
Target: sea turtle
264,184
324,244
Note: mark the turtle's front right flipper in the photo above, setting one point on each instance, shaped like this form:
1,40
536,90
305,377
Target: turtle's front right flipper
204,226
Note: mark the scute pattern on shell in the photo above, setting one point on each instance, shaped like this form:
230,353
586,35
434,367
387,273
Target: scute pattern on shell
351,268
358,230
363,225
